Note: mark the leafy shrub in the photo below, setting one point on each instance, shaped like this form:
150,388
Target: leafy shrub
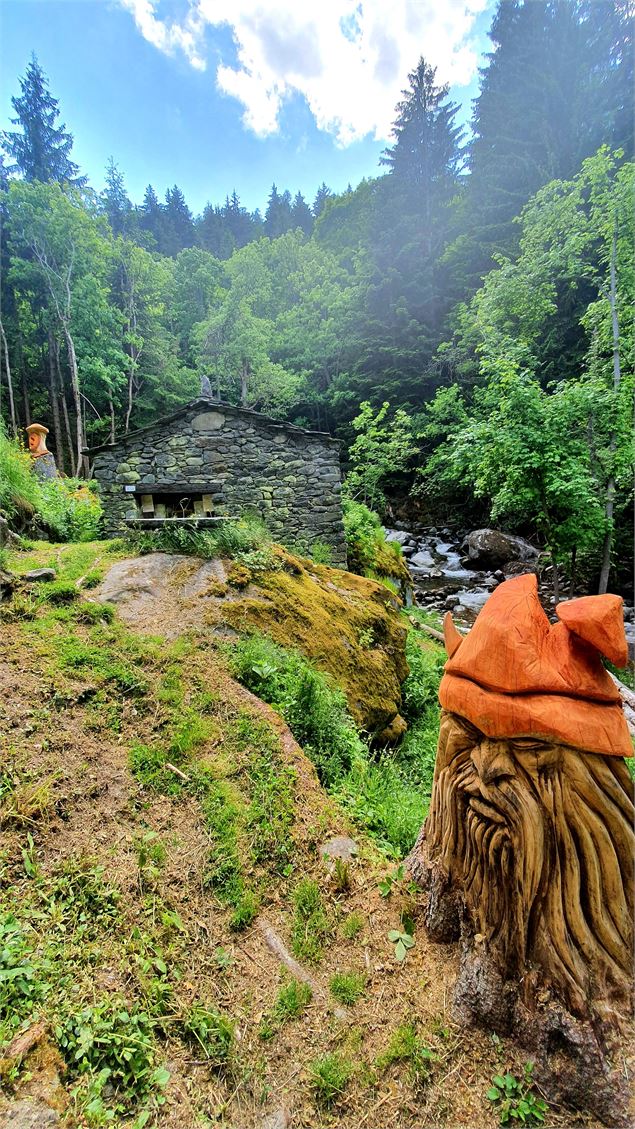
19,493
363,532
68,508
387,793
21,986
315,712
368,551
108,1037
515,1100
234,539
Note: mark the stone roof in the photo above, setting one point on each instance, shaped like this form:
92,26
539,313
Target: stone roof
204,402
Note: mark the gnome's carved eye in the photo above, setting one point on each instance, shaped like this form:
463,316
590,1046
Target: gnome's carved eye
492,761
527,744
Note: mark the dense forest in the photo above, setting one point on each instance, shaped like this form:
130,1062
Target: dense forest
461,320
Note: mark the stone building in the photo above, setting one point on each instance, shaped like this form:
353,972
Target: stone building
210,460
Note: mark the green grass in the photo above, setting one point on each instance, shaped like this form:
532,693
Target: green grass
387,793
311,925
352,925
293,998
330,1075
406,1046
209,1031
236,539
347,987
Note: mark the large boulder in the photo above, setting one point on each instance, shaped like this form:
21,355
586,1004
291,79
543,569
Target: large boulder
489,548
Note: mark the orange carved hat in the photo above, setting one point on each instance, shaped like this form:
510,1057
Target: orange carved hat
517,675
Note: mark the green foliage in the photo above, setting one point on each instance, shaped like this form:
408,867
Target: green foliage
21,986
68,508
291,1001
330,1076
117,1043
387,795
515,1099
209,1032
151,856
364,533
316,713
347,987
352,926
19,489
406,1046
240,540
383,447
311,925
402,941
541,450
387,883
81,898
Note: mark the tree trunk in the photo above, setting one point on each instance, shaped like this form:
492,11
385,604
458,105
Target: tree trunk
25,397
7,369
574,562
80,439
610,486
111,411
62,395
556,580
55,404
244,385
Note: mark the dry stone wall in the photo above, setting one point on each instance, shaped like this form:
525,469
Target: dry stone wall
242,459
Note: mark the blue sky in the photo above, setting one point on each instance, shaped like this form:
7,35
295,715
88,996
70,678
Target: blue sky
213,95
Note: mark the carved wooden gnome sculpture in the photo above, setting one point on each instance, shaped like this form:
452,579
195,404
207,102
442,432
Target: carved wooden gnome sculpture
527,853
43,460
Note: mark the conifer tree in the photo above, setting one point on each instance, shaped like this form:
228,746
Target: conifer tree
150,217
301,214
427,156
115,200
322,195
178,226
40,147
558,84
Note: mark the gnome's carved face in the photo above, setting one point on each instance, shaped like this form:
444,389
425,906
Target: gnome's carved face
37,443
517,824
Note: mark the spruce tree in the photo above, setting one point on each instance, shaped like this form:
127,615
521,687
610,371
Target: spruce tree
301,214
322,195
115,200
558,84
40,148
178,226
150,217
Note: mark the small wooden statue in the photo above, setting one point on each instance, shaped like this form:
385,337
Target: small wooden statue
528,850
43,460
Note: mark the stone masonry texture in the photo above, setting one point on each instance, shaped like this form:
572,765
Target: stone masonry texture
245,460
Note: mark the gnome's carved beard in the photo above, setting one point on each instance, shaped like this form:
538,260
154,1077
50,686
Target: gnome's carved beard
538,840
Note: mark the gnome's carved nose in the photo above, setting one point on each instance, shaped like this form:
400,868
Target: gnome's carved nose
492,760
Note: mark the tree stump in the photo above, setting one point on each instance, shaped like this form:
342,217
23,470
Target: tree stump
527,857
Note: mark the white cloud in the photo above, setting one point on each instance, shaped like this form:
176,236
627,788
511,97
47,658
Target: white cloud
349,58
186,36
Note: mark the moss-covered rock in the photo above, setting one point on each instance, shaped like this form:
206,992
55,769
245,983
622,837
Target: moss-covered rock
347,625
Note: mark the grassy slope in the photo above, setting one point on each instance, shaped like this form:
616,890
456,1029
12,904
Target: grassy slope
139,893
